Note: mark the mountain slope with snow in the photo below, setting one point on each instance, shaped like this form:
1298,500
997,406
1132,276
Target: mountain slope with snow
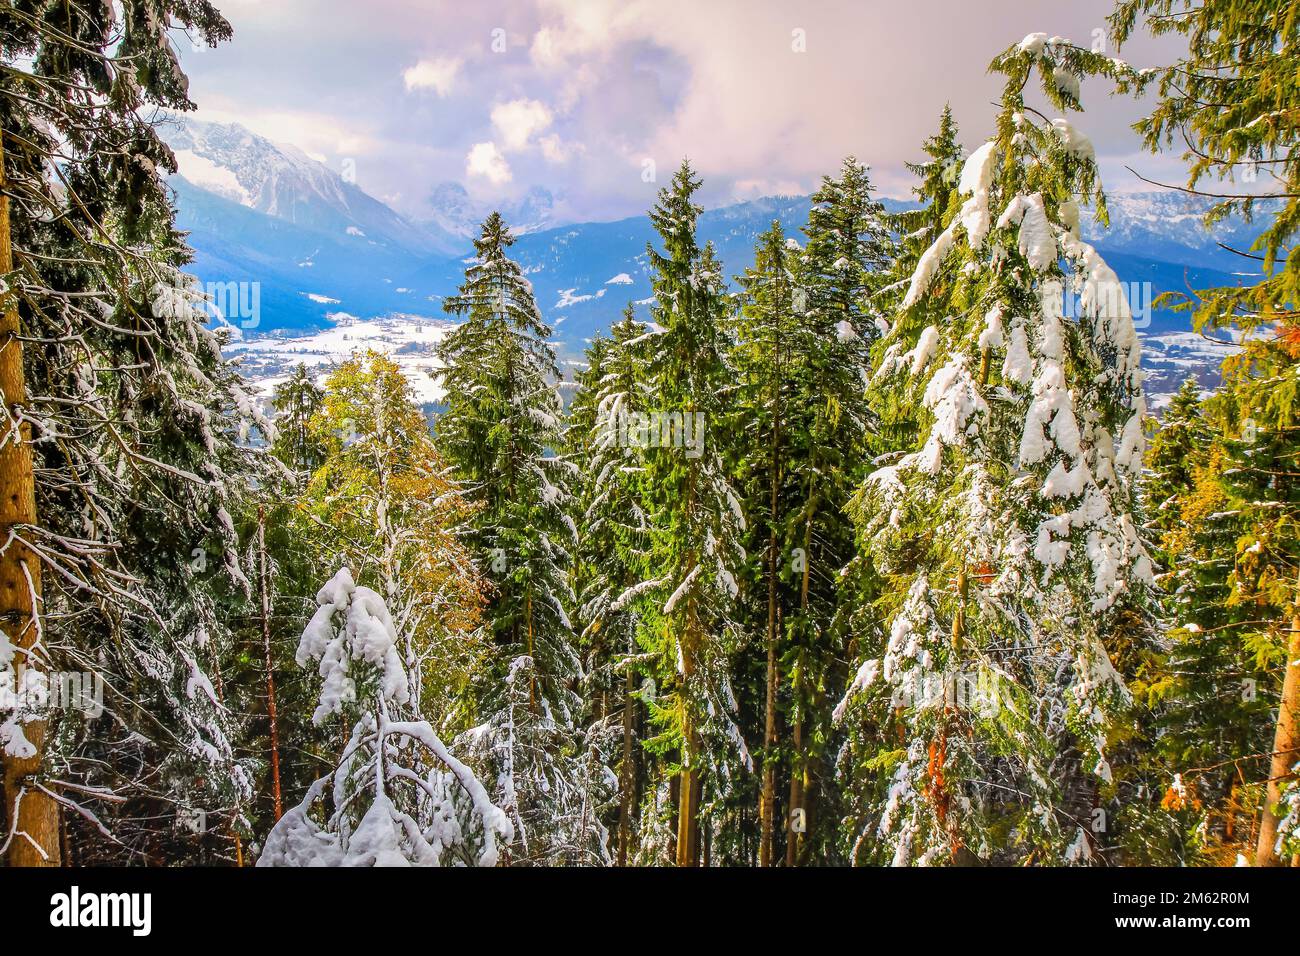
282,182
326,252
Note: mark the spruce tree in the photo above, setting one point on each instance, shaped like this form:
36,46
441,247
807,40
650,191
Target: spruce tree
398,796
766,349
124,552
1232,100
296,401
1214,694
499,432
694,516
1008,531
614,526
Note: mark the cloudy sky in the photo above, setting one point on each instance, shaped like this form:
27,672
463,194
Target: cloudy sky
580,96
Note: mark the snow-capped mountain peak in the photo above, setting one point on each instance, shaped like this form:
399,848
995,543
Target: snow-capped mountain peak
452,210
283,182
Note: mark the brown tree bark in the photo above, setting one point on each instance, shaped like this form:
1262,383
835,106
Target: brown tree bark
688,797
627,770
1286,752
32,816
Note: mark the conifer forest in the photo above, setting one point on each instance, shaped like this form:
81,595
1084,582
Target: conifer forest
929,513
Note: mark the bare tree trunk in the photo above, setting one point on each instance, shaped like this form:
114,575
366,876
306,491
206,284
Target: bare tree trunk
32,816
1286,751
627,771
270,665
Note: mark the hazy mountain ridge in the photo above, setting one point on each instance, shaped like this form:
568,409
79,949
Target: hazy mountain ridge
325,251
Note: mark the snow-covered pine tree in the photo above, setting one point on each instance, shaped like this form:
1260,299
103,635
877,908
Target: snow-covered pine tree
848,260
613,525
577,446
766,333
688,598
1009,533
398,797
896,420
500,428
916,230
105,563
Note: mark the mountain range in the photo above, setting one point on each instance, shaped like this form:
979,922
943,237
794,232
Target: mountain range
325,251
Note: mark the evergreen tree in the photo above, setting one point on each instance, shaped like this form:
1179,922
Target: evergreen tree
614,526
764,351
398,796
1231,98
296,402
1008,535
1214,694
694,516
109,537
499,431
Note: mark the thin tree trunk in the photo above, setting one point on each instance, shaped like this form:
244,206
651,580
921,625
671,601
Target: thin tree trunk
1286,751
31,815
270,666
627,771
796,795
532,671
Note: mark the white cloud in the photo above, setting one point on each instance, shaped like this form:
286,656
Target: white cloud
557,151
437,75
485,160
518,121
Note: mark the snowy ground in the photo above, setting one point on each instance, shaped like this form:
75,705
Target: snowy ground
409,339
1169,358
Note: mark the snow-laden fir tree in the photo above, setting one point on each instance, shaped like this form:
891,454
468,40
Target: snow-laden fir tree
499,431
763,355
848,258
398,796
121,438
689,592
614,526
1008,532
916,229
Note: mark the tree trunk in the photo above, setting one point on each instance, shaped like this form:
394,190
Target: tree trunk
270,666
1286,751
793,839
32,816
627,771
